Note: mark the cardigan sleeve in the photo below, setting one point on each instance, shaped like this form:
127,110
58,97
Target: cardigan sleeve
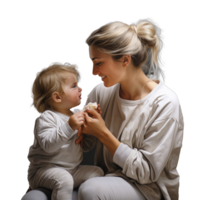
146,164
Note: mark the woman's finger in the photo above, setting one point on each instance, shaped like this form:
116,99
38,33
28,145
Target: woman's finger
79,132
81,138
82,141
99,109
92,112
78,140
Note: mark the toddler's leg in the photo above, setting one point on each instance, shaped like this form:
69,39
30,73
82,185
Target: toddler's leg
44,194
55,178
84,172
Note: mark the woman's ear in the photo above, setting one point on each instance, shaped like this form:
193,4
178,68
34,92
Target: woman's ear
56,97
127,59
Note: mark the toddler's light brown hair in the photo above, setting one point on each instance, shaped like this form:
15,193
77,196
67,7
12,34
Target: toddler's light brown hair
48,80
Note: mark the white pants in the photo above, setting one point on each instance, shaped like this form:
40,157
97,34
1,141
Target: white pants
61,181
101,188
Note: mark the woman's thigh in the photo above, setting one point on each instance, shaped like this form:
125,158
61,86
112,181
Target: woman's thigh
44,194
112,188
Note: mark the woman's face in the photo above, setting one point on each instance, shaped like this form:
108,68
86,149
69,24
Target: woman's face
110,71
131,79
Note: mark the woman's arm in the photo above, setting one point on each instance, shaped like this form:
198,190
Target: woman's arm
145,165
109,140
160,149
97,130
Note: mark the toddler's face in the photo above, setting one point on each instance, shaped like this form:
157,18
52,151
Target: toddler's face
72,93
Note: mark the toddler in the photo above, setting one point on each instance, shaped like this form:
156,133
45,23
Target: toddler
54,157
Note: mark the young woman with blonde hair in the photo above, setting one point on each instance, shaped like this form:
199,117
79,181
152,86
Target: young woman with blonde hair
139,135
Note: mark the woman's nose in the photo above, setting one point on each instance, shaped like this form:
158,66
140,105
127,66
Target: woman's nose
95,70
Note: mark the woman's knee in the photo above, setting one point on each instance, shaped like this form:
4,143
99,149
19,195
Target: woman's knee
96,172
90,189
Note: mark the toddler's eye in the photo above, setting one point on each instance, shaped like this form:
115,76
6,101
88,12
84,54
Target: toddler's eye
74,85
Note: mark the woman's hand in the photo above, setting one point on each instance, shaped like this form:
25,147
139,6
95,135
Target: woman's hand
94,125
80,133
80,137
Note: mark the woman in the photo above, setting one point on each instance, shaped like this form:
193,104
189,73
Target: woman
139,135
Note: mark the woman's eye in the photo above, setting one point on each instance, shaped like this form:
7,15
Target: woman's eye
99,64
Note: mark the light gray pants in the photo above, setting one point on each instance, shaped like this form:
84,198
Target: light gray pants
99,188
61,181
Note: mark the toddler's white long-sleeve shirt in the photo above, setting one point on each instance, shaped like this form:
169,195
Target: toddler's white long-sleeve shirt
54,143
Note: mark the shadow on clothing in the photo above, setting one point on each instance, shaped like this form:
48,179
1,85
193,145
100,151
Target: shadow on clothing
44,194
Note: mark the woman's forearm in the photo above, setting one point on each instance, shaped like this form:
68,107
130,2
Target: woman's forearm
109,140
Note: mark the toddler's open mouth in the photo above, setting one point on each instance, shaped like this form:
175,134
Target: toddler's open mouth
81,97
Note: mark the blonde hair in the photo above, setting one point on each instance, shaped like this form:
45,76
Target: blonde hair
141,41
50,80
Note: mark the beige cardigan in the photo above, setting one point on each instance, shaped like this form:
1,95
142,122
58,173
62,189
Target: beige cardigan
150,131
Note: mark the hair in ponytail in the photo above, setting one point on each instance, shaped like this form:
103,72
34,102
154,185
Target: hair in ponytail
142,41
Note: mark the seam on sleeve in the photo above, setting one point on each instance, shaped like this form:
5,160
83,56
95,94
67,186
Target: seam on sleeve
166,119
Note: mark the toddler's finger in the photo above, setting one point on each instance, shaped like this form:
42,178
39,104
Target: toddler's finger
79,131
78,140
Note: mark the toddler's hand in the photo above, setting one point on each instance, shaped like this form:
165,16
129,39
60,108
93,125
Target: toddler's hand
76,120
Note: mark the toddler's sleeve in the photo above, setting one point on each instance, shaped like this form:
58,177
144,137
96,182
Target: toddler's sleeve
51,136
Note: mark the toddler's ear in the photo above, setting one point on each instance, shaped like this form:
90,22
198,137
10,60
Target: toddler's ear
56,97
